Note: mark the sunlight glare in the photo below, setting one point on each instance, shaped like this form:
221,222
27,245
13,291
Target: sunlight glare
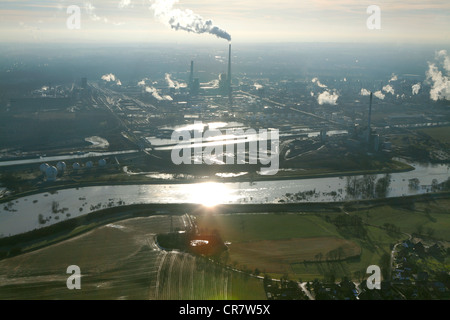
210,194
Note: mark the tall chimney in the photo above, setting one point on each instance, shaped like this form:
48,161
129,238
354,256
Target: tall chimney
191,76
369,120
230,100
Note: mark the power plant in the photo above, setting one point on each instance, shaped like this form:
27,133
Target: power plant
225,87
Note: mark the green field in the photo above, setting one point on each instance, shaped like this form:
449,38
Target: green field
441,134
430,218
122,261
251,227
425,215
372,249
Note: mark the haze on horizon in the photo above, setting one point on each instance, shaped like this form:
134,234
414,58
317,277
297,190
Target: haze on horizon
250,21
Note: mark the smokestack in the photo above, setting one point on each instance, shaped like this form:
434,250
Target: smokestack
230,100
369,120
191,76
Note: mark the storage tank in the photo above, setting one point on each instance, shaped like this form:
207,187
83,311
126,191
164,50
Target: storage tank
43,167
102,162
51,172
61,166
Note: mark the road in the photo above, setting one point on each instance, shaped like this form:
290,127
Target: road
393,252
302,286
64,157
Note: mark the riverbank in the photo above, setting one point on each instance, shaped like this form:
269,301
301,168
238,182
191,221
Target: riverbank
45,236
142,178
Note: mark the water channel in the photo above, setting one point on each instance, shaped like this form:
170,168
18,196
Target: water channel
23,214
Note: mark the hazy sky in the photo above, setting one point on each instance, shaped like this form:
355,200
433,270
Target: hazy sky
402,21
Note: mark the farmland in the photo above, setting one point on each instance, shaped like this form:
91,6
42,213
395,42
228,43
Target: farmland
442,134
316,245
122,261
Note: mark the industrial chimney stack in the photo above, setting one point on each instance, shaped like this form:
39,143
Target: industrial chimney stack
369,130
229,76
191,76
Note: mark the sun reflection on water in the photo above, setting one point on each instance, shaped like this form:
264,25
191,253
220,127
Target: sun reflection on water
210,194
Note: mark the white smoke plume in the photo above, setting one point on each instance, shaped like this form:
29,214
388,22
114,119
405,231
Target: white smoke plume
111,78
185,19
316,81
379,94
327,98
364,92
156,95
257,86
213,84
150,89
415,88
171,83
393,78
446,62
388,88
440,83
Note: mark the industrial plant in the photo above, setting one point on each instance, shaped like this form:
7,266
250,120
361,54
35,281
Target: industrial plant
87,169
326,124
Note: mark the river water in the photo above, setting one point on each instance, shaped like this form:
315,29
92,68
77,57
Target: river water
22,214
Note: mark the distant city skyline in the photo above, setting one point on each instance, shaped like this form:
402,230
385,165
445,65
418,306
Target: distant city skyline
246,21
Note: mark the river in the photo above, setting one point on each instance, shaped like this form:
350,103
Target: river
22,214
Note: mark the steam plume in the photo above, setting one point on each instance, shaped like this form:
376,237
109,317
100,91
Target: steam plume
110,77
440,88
388,88
393,78
257,86
415,88
379,94
364,92
171,83
155,93
316,81
327,98
185,19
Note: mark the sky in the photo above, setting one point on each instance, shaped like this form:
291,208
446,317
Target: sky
245,21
